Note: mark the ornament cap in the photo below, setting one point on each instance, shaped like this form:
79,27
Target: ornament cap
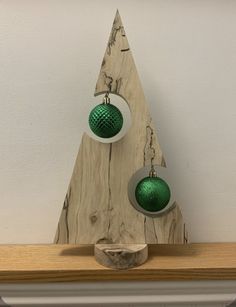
106,99
152,173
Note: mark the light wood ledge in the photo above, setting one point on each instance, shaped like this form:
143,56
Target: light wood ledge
67,263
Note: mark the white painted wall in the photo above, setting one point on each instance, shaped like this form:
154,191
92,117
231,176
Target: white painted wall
50,56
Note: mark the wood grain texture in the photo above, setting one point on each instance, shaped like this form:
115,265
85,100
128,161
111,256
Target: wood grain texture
121,256
96,207
48,263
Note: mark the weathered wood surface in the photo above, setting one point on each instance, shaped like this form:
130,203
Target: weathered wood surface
121,256
96,207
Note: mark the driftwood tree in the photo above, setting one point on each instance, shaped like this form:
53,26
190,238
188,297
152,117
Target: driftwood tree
97,209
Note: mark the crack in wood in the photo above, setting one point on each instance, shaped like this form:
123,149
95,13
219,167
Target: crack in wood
149,149
123,50
145,228
112,38
66,208
103,62
185,235
118,85
104,240
108,80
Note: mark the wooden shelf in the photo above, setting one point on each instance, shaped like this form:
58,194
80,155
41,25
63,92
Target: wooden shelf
62,263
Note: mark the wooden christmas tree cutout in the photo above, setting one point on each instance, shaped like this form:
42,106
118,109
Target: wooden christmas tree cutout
97,209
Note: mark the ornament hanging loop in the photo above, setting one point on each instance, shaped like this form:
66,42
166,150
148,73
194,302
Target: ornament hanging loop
152,172
106,98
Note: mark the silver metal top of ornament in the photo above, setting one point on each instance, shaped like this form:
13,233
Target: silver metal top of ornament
152,172
106,99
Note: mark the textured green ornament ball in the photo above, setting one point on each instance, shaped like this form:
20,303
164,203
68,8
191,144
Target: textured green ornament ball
105,120
152,194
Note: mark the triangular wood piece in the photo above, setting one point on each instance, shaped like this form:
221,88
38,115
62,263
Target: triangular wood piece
96,207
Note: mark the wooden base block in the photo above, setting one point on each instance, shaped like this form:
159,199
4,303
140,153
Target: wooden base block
121,256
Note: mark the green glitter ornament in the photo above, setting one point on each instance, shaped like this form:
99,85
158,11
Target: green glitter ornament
152,194
105,120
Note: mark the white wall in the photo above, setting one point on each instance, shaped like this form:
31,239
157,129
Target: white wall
50,56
